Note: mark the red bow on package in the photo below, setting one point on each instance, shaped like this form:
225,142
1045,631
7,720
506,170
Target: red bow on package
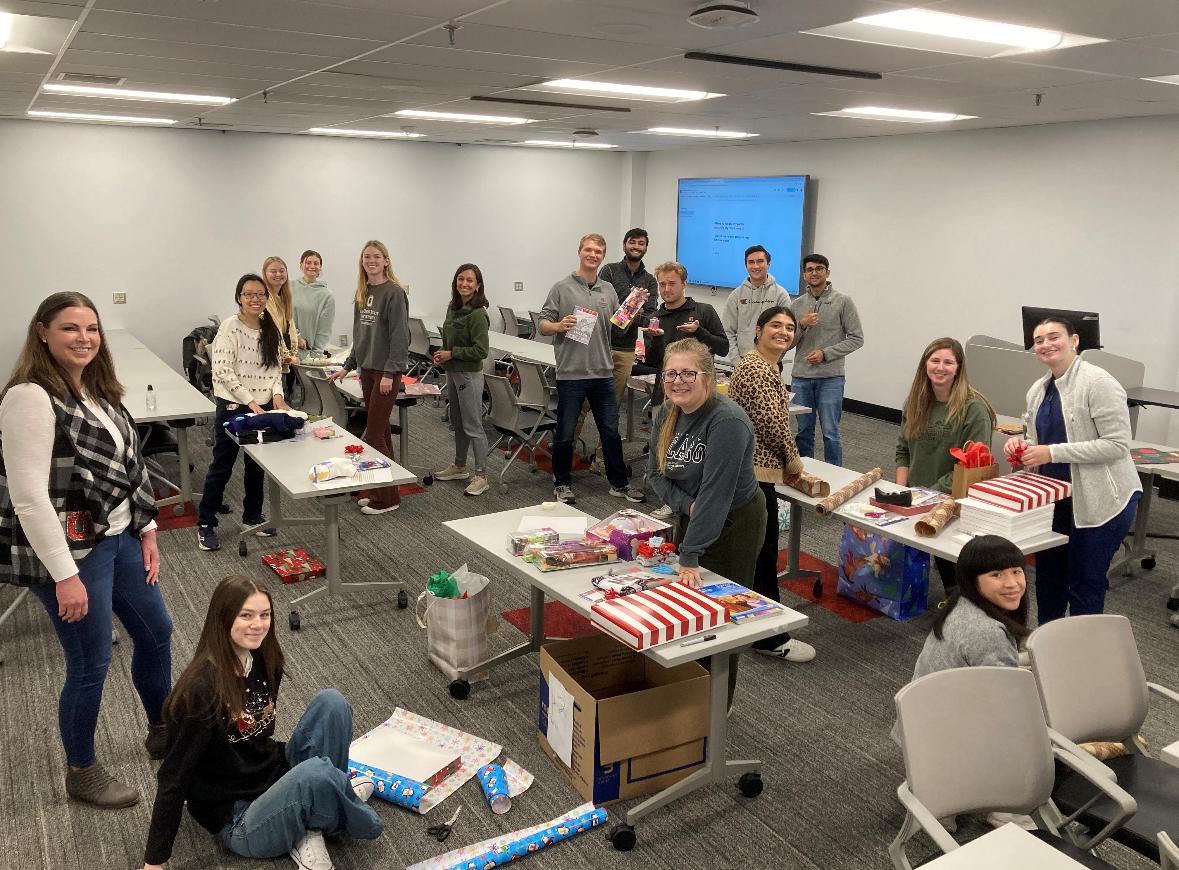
354,449
974,455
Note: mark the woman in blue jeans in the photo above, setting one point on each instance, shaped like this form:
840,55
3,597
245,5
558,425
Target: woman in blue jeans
77,527
259,797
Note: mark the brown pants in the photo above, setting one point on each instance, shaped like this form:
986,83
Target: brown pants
624,362
376,431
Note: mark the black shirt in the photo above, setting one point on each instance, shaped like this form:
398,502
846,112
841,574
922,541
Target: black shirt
710,330
622,279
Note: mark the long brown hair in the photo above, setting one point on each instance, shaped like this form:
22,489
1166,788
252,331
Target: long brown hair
706,365
36,364
216,660
362,281
282,299
921,396
479,300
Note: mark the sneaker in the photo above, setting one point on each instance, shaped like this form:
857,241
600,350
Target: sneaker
362,787
156,742
207,538
453,472
663,512
93,785
372,511
267,532
628,492
363,502
477,486
794,650
564,494
998,820
311,853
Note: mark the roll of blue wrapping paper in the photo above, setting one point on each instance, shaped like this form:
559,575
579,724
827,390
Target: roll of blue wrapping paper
400,790
495,788
510,850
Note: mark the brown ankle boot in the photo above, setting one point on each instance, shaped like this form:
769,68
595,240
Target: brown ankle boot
93,785
156,742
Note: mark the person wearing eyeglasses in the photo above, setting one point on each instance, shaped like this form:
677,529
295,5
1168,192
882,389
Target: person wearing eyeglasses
247,375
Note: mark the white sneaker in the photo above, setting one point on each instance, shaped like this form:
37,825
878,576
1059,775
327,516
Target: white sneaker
311,853
452,472
564,494
477,486
372,511
998,820
362,502
663,512
794,650
362,787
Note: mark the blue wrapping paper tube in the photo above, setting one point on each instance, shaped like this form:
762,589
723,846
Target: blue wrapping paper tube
400,790
509,850
495,788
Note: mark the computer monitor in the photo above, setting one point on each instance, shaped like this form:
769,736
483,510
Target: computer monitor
1086,324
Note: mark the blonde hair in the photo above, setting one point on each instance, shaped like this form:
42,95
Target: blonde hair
591,237
362,280
281,303
921,396
672,266
706,365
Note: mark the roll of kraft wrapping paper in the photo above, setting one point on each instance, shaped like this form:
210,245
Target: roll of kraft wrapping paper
810,485
508,850
860,484
934,521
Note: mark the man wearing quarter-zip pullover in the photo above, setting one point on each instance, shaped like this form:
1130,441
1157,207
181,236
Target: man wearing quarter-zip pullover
577,314
828,330
746,303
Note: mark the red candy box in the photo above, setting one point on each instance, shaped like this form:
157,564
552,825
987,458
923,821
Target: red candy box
294,566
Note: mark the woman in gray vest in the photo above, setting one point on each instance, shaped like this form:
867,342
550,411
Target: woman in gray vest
77,527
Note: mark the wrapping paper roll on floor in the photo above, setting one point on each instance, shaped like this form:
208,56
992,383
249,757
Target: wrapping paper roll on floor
810,485
934,521
860,484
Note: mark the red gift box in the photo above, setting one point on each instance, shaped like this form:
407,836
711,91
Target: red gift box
1021,491
659,615
294,566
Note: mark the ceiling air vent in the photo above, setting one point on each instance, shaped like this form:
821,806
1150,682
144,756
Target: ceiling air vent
91,79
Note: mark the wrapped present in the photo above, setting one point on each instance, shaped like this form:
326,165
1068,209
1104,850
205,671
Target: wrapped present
626,528
630,307
518,541
575,554
665,613
1021,491
294,566
883,574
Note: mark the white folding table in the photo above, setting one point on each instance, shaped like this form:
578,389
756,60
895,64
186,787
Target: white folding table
489,532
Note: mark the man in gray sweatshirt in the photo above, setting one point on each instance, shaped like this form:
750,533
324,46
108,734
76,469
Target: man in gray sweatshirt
754,295
828,330
577,314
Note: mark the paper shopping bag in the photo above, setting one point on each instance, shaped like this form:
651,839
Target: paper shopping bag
964,477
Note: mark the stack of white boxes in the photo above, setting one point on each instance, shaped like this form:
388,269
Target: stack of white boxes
1017,506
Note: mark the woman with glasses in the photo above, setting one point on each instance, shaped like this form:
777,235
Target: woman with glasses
757,387
701,465
247,375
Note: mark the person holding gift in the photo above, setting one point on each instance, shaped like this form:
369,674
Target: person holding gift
941,413
1078,430
756,385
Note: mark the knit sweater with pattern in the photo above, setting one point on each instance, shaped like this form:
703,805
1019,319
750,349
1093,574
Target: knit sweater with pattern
239,375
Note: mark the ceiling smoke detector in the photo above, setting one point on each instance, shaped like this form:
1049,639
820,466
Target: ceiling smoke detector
723,16
585,134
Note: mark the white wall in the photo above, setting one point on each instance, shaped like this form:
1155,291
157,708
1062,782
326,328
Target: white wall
950,233
174,217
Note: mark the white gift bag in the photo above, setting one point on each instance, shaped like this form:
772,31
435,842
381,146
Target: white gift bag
457,628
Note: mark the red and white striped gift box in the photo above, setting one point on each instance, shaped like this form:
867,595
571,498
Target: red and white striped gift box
659,615
1021,491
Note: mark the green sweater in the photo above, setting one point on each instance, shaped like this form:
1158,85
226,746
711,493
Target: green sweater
464,334
928,455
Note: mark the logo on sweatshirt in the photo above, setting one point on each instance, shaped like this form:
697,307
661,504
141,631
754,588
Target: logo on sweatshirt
685,450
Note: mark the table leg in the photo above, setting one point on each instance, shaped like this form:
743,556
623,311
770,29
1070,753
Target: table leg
403,438
630,414
536,638
1135,547
185,473
793,570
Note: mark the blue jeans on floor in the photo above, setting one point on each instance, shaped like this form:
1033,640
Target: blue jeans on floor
115,582
1073,577
824,396
221,469
599,393
314,795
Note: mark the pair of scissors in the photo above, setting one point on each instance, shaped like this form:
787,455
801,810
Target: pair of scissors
441,832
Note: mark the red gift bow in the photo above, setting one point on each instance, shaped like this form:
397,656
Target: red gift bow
975,455
353,449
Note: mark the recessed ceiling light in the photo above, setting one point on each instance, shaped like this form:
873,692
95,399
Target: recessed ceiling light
127,94
370,134
5,28
1166,80
705,134
964,27
459,116
884,113
626,92
83,116
550,143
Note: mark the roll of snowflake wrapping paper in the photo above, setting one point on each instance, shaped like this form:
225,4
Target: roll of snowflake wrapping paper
508,849
858,485
934,521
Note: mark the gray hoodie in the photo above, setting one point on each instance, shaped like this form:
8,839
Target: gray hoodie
741,310
837,333
576,361
315,312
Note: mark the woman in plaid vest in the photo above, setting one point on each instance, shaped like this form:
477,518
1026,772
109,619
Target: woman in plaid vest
77,527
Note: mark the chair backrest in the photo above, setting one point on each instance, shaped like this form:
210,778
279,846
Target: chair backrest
1090,677
509,318
505,413
975,740
331,400
536,334
419,339
311,401
533,387
992,341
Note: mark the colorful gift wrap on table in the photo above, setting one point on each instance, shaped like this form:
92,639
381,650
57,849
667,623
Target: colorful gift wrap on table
1021,491
518,541
574,554
295,565
624,529
654,616
507,850
883,574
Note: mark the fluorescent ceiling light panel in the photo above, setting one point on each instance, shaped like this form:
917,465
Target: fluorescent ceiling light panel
625,92
550,143
83,116
459,117
703,134
5,28
128,94
1166,80
369,134
884,113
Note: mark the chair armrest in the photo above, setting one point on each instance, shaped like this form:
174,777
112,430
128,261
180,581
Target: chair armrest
1168,853
940,836
1092,768
1162,691
1106,783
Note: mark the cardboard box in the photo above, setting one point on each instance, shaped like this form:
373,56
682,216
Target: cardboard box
637,727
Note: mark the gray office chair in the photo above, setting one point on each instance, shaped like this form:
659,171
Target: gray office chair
975,741
514,422
421,353
331,400
1092,687
311,402
535,390
508,316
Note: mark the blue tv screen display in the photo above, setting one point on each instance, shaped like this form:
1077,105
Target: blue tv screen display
720,217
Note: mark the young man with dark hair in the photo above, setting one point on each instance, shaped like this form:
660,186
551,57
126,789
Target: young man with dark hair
828,330
755,294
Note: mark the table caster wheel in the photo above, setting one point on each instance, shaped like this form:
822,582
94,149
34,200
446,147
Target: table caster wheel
622,837
1148,563
178,510
1173,604
402,600
817,589
750,784
294,621
503,488
428,480
242,549
459,689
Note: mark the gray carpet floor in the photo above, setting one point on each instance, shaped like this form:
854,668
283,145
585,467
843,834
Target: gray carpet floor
830,769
